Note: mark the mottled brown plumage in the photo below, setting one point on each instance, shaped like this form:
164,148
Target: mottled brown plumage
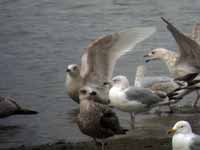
96,120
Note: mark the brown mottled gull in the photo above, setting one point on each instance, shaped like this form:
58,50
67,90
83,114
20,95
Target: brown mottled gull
8,107
97,120
184,64
99,59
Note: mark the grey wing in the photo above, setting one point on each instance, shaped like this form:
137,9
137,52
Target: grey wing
188,48
100,57
149,81
195,145
196,32
143,95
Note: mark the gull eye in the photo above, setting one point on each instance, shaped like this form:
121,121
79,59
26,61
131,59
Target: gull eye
83,92
75,68
153,52
93,93
181,126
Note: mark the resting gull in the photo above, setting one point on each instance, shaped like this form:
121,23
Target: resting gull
97,120
9,107
184,64
184,138
133,99
99,59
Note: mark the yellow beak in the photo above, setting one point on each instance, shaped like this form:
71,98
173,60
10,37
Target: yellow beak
171,131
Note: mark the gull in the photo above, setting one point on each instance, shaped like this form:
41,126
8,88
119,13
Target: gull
99,59
156,83
133,99
9,107
97,120
184,64
184,138
73,81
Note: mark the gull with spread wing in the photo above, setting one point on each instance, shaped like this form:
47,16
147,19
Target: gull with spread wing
99,59
184,64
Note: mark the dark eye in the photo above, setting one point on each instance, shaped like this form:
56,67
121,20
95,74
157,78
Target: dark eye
181,126
75,68
83,92
93,93
153,52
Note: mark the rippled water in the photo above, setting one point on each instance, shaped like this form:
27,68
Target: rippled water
38,38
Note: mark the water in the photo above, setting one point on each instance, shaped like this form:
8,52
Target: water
40,37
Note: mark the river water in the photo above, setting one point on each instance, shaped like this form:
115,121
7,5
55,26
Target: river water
38,38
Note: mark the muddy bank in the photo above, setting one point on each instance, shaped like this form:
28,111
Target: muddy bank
116,144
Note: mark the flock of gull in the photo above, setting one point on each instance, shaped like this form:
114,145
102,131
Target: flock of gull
92,85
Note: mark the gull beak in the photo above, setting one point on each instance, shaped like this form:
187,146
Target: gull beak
171,131
68,70
108,83
147,56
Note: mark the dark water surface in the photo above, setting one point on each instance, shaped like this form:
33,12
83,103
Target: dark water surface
38,38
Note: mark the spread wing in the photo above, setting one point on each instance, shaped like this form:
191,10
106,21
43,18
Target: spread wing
100,57
189,49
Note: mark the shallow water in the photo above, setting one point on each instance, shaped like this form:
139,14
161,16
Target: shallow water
40,37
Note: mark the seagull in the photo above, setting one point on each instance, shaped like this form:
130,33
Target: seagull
99,59
184,138
73,81
97,120
156,83
9,107
184,64
133,99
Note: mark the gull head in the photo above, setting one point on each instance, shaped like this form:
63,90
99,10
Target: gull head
156,54
120,81
73,70
88,93
181,127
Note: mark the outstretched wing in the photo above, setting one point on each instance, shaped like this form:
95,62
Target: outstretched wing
188,48
100,57
196,32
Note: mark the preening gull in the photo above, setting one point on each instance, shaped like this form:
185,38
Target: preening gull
185,63
99,59
8,107
133,99
97,120
184,138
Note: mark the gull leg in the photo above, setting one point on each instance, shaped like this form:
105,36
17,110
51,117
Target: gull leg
97,142
194,105
103,145
132,120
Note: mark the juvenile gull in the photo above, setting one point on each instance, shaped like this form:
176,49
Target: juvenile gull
133,99
184,138
99,59
184,64
97,120
8,107
186,60
73,81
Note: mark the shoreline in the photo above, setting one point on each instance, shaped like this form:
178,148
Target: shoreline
125,143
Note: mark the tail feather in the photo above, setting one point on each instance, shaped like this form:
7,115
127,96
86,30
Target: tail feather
25,112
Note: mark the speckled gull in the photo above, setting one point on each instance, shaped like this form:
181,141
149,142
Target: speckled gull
186,60
9,107
133,99
97,120
99,59
184,138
